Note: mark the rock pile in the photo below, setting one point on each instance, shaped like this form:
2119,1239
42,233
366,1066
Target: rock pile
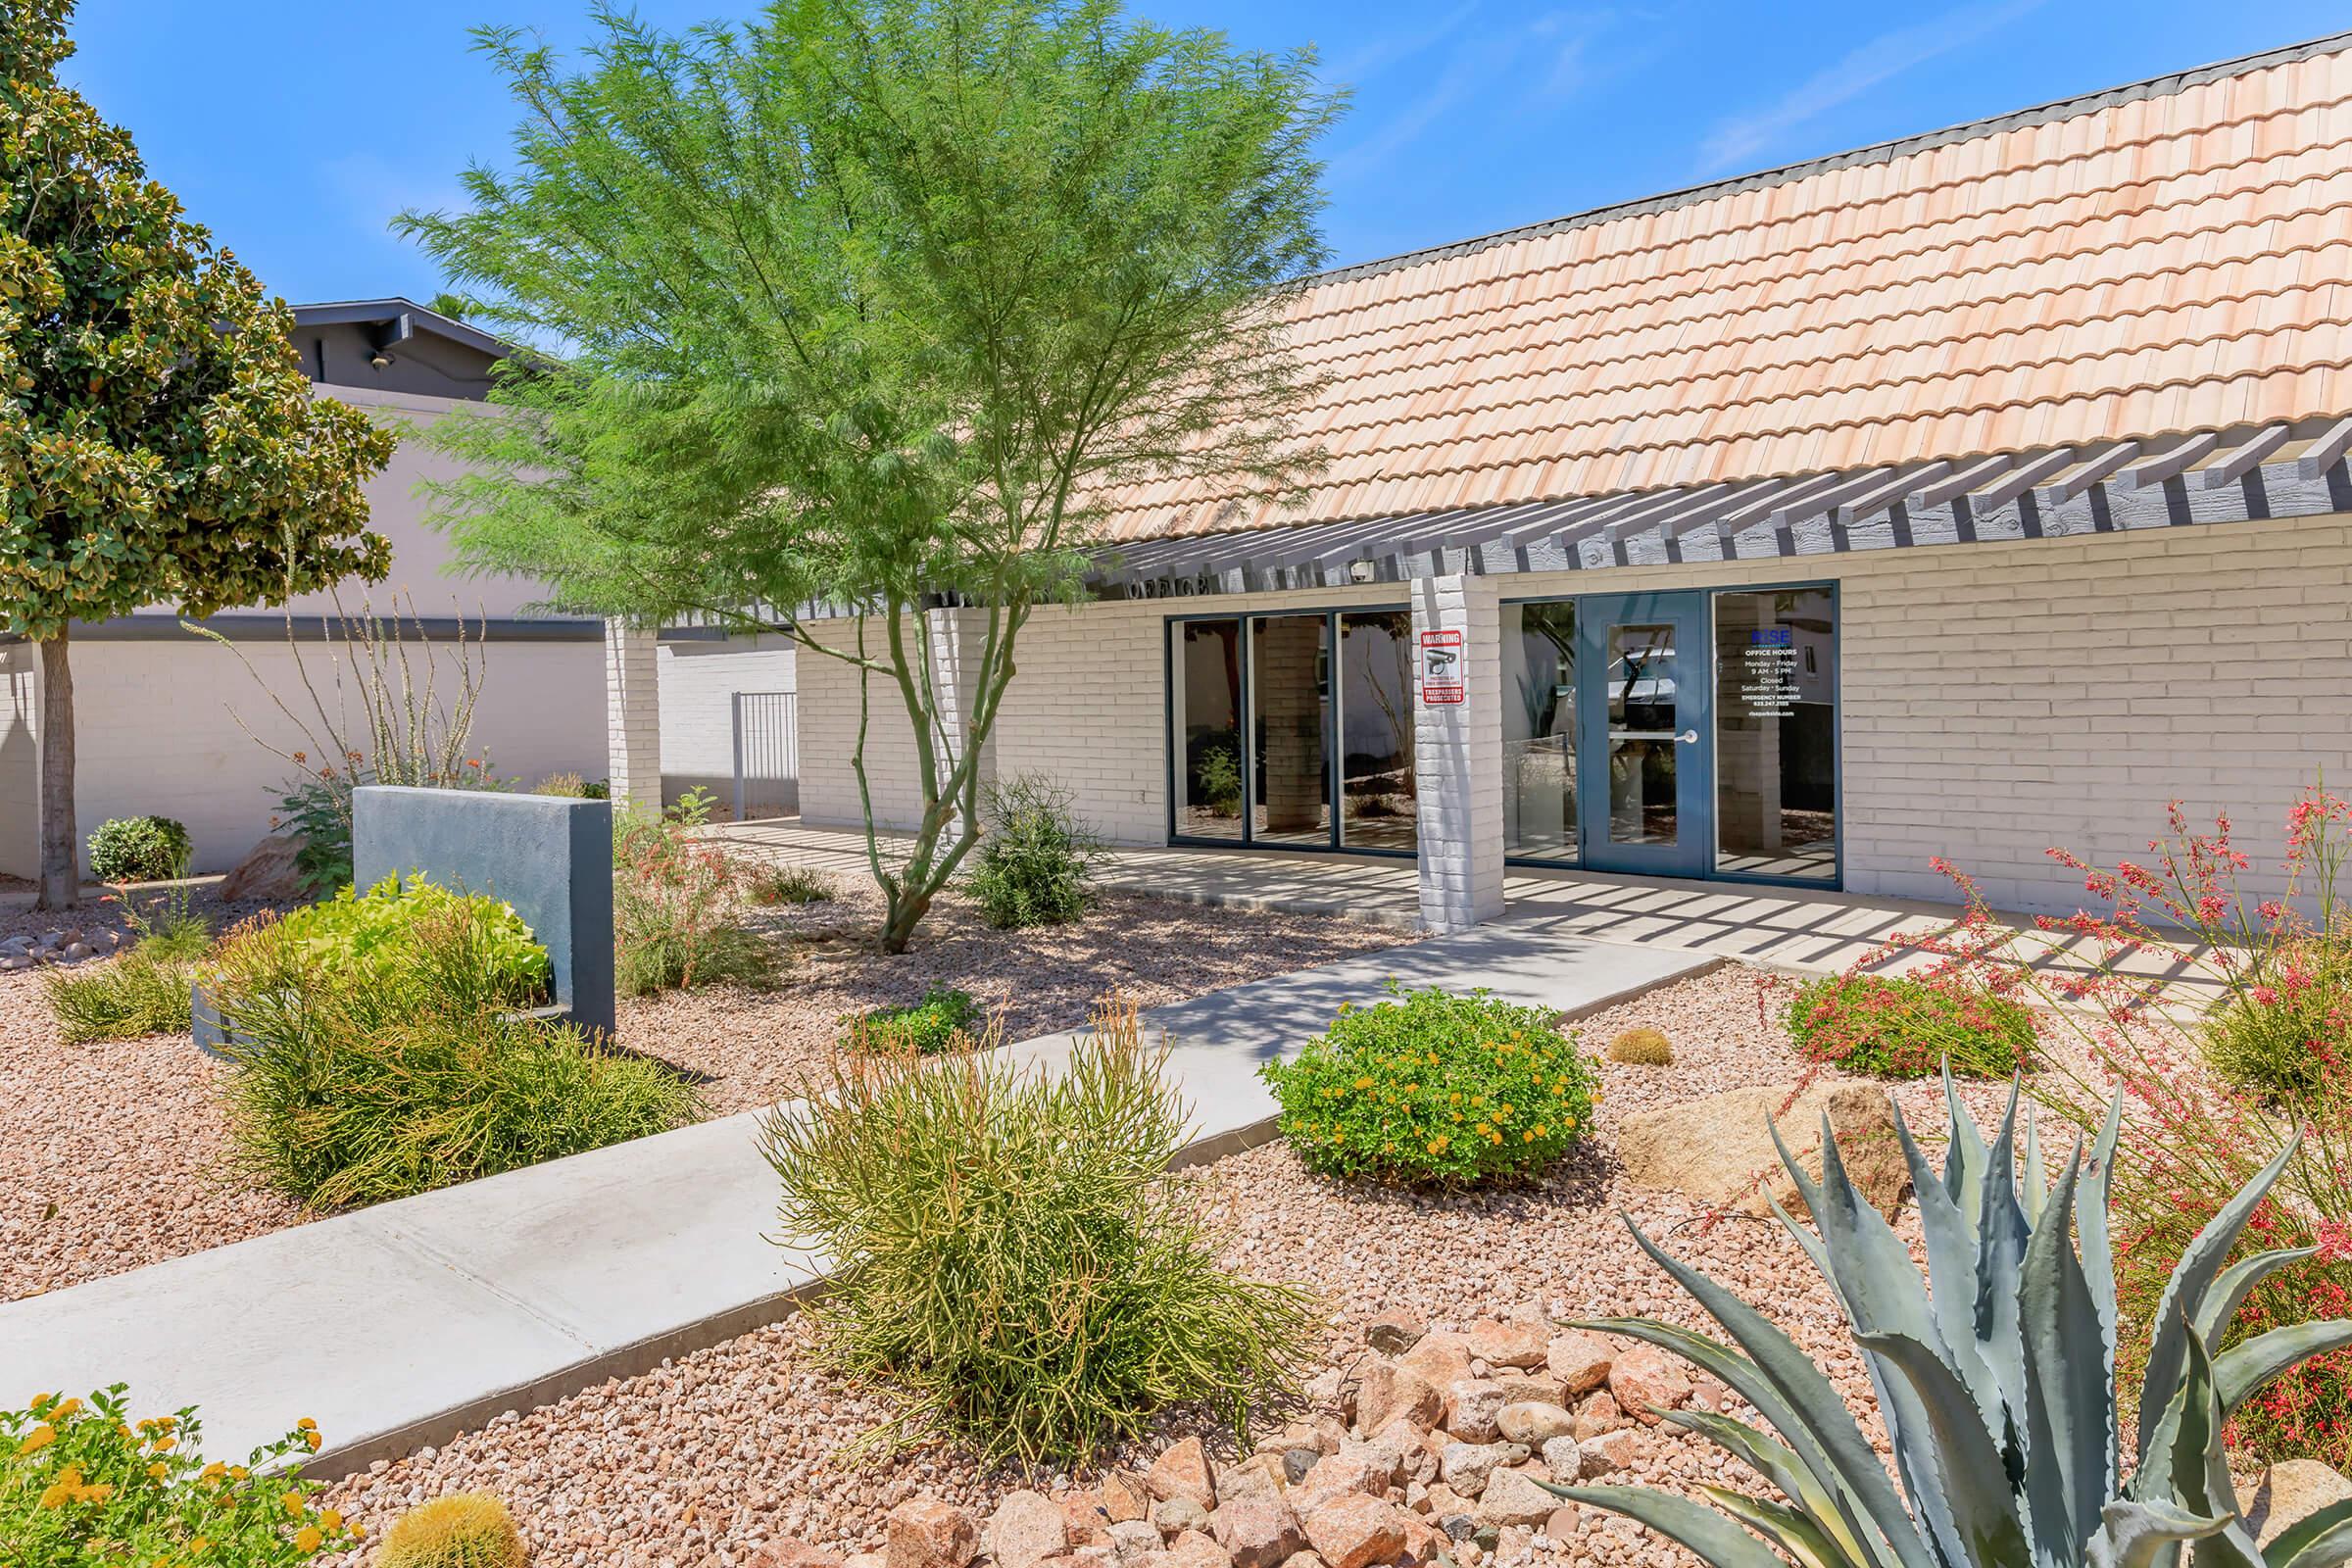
72,945
1439,1444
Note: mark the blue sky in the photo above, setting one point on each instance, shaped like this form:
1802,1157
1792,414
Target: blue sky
296,129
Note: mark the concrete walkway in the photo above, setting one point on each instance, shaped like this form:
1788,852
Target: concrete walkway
400,1325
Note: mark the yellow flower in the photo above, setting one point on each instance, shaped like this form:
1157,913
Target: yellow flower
199,1544
40,1403
1364,1082
97,1494
306,1424
238,1472
65,1409
293,1503
314,1441
308,1539
213,1472
1527,1137
1478,1099
58,1495
158,1470
166,1445
1568,1122
331,1518
1454,1098
1539,1129
37,1439
1481,1129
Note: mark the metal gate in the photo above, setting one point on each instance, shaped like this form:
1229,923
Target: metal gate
767,754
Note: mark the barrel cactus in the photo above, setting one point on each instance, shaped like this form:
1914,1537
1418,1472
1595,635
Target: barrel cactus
464,1530
1998,1388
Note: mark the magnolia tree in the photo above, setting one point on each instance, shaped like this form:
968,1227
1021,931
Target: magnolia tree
159,442
863,305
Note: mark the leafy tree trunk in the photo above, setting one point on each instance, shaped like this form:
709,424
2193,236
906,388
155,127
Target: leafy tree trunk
60,857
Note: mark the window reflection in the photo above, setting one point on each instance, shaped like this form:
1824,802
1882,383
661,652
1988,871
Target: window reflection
1776,733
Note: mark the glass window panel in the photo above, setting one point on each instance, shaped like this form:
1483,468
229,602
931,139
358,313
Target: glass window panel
1644,681
1539,731
1206,712
1776,733
1290,692
1376,730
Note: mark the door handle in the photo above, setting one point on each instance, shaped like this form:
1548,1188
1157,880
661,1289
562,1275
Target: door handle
1688,737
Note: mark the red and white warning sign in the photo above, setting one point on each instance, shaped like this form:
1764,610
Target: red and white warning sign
1441,666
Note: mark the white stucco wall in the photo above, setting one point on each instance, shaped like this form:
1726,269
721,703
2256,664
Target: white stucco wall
1998,699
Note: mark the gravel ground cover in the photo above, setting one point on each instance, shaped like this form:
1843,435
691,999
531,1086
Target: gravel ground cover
108,1149
703,1461
758,1047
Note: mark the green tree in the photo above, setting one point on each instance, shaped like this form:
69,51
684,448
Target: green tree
158,439
865,304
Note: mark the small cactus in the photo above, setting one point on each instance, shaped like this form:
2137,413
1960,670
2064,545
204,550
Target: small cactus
464,1530
1645,1048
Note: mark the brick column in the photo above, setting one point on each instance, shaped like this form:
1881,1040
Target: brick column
1458,757
634,717
958,640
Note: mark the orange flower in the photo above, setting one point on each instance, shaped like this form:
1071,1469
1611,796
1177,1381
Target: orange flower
37,1439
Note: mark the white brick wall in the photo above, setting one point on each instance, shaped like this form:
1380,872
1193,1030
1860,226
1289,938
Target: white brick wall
699,680
1998,698
828,715
632,717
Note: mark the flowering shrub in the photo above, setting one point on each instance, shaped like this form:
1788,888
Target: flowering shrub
1436,1088
81,1483
2217,1022
1904,1026
677,907
363,936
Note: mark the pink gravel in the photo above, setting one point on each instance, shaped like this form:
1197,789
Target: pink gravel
701,1462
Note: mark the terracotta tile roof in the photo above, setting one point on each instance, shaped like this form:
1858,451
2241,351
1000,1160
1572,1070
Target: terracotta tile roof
2167,257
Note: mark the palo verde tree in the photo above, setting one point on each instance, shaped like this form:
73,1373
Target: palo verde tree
159,442
865,304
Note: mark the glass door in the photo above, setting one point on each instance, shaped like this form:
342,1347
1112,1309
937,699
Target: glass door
1645,672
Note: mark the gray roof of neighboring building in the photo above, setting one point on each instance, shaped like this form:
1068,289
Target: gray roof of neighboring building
403,318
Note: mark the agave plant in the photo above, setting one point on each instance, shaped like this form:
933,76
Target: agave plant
1997,1383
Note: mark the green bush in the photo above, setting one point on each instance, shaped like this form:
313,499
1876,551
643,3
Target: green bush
81,1483
1036,857
677,907
1900,1026
767,883
357,934
139,849
2289,1034
1435,1088
572,787
923,1028
1011,1253
139,992
368,1082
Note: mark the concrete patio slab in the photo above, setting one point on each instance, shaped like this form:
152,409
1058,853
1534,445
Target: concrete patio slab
403,1324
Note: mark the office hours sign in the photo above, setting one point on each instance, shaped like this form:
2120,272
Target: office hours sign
1442,667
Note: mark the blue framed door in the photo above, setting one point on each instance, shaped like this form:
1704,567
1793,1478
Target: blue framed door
1644,677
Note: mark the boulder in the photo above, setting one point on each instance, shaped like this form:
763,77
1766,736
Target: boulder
1354,1530
1261,1473
1439,1358
1515,1344
1535,1424
1645,1380
2286,1492
1394,1331
1173,1516
1514,1498
1183,1472
1466,1466
1257,1531
1563,1459
1718,1151
925,1533
1125,1497
1522,1388
1391,1392
1131,1542
1297,1462
790,1551
267,874
1597,1414
1471,1407
1606,1454
1193,1549
1580,1360
1027,1528
1360,1468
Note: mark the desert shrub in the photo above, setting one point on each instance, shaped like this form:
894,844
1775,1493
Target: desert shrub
572,787
677,907
1903,1026
139,849
82,1481
1013,1253
769,883
357,934
1217,778
464,1530
1643,1048
1430,1087
923,1028
361,1084
2286,1034
134,994
1036,856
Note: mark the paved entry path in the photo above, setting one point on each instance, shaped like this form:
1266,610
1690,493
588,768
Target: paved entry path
399,1325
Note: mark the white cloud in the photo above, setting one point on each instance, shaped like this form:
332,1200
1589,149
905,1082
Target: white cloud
1746,139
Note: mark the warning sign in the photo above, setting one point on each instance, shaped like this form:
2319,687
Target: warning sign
1441,666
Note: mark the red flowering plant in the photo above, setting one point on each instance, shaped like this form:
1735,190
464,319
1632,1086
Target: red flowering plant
2223,1021
678,905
